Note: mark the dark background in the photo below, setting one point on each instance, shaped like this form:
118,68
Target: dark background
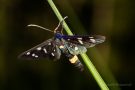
114,59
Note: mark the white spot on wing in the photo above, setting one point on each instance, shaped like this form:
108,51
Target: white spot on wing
90,37
79,38
39,48
45,50
28,53
76,48
33,54
49,43
52,54
93,40
80,41
36,56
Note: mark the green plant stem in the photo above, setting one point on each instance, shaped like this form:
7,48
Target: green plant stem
86,59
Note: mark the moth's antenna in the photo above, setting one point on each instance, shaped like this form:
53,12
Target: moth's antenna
34,25
60,23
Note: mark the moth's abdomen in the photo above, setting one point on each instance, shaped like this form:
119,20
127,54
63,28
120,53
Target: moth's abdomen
75,61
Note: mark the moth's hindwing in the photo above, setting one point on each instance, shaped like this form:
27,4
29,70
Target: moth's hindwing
76,49
87,41
45,49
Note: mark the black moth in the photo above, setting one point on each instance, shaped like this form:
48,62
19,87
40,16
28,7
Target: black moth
69,45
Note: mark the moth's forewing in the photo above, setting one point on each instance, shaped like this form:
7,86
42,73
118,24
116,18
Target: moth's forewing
87,41
45,49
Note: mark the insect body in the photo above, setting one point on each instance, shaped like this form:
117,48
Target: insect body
70,45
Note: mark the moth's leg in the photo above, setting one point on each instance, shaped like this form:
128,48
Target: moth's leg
60,25
75,61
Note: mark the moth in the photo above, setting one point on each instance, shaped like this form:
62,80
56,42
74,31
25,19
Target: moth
69,45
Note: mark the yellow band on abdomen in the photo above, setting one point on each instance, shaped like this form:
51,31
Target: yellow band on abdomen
73,59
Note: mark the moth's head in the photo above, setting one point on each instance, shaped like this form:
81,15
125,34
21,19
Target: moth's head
58,35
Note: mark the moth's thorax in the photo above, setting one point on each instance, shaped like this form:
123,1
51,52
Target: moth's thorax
61,44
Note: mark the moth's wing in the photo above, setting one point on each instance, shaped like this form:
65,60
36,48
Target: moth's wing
87,41
75,49
45,49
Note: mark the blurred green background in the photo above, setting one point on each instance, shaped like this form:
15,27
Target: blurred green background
114,59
